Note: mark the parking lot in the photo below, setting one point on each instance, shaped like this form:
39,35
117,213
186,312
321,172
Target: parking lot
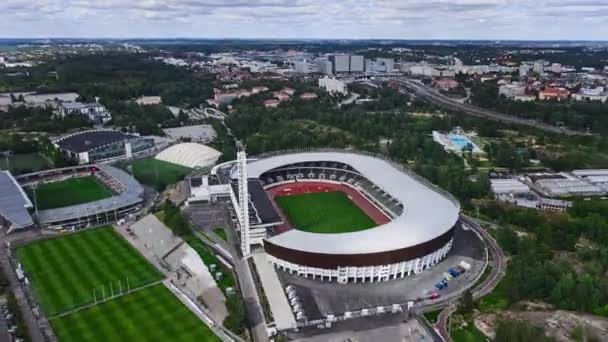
322,298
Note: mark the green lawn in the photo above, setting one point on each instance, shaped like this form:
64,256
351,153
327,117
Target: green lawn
157,173
221,233
25,163
151,314
65,271
69,192
468,334
324,212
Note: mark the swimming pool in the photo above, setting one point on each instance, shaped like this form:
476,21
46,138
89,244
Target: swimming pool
460,141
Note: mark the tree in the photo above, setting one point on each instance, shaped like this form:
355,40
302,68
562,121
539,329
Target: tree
236,321
466,304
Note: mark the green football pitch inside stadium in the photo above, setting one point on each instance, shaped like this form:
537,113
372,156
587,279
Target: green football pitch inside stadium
69,192
71,271
149,314
324,212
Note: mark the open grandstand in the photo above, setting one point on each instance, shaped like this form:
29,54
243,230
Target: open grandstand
388,224
70,198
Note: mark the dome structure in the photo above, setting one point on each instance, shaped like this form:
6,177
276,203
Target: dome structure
191,155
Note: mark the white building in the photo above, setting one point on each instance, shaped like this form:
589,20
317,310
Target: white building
324,66
333,85
591,94
303,67
148,100
511,90
94,111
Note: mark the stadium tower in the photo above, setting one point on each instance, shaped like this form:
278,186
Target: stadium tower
243,210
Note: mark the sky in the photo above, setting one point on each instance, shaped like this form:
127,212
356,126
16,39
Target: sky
316,19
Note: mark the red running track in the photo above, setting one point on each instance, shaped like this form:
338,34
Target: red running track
299,188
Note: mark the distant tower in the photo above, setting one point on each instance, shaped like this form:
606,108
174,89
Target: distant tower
243,210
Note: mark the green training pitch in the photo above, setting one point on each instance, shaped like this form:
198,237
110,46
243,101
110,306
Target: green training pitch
69,192
65,272
324,212
150,314
158,173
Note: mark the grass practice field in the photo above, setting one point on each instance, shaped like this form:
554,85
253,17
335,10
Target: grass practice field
150,314
69,192
25,163
65,271
324,212
157,173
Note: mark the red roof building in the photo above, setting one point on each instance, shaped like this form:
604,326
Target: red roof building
559,94
272,103
308,96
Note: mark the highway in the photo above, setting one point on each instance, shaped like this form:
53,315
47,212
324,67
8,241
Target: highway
497,272
425,92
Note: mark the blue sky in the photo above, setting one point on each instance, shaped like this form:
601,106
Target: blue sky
357,19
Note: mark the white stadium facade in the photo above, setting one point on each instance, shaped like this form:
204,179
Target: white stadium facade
418,233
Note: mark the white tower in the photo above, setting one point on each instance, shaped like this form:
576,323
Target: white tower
243,210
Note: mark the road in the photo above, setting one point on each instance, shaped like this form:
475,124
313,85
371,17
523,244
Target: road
497,272
423,91
30,320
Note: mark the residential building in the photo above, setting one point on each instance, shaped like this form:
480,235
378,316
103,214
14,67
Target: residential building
94,111
524,98
333,85
308,96
511,90
559,94
272,103
446,84
148,100
258,89
591,94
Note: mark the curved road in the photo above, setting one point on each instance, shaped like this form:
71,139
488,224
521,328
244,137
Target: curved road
489,283
431,94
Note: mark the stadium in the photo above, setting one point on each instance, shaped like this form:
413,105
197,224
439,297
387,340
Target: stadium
69,198
341,216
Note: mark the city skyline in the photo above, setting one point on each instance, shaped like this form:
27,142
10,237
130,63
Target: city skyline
307,19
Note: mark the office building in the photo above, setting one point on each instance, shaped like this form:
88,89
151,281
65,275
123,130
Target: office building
341,63
357,63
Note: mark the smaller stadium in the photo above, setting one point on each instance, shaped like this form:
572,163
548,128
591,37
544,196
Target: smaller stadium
69,198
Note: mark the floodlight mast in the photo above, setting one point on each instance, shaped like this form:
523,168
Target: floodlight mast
241,161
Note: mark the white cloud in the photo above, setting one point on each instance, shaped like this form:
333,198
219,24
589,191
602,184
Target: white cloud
413,19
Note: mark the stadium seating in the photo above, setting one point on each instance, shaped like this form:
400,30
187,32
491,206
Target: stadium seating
337,172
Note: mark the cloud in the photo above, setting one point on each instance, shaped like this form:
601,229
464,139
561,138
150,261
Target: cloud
407,19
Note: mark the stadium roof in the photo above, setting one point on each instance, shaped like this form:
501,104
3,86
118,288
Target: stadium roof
14,203
132,195
190,155
427,213
88,140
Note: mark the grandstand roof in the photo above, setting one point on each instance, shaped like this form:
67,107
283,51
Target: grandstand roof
14,202
427,215
88,140
190,155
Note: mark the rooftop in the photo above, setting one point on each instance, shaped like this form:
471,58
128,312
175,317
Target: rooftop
88,140
427,214
14,203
